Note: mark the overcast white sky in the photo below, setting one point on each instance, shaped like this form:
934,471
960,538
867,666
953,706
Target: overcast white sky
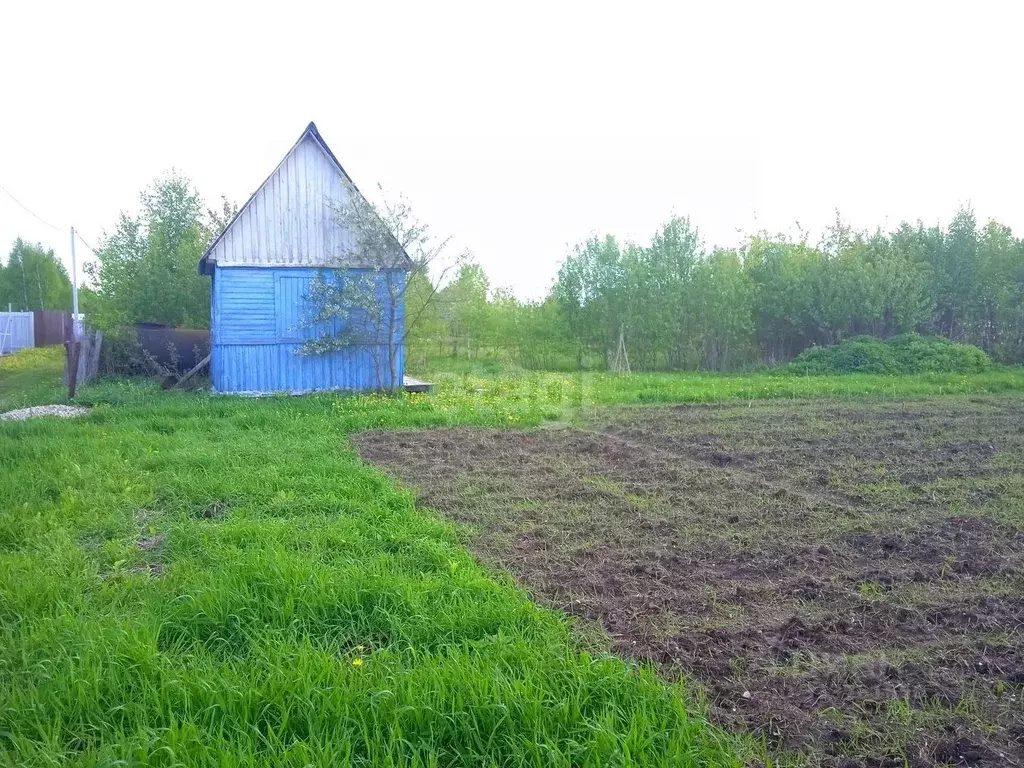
522,128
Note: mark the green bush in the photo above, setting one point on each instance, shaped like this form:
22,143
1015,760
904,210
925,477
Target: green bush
926,354
908,353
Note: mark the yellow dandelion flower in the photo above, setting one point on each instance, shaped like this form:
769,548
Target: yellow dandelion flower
357,662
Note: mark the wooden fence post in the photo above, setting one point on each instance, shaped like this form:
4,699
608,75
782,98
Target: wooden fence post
82,360
73,351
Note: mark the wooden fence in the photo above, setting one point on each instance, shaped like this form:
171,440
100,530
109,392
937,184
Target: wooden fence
52,327
37,328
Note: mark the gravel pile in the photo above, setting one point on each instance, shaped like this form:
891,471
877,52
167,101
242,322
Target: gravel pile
63,411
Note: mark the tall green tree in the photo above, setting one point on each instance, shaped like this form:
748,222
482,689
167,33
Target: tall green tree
663,330
592,293
954,268
464,304
999,293
722,312
146,270
783,276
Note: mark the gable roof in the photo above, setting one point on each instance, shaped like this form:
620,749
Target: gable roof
312,134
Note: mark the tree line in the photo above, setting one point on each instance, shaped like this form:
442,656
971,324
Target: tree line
32,277
675,305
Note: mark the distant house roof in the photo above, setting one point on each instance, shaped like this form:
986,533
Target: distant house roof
288,220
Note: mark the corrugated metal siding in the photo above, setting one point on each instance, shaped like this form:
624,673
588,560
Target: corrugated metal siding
17,331
289,221
257,334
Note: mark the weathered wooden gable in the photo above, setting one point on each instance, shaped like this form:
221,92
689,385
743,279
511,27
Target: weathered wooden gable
290,221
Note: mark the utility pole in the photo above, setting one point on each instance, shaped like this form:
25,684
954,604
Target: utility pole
75,325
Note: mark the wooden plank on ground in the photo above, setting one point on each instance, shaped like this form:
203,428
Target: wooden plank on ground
199,366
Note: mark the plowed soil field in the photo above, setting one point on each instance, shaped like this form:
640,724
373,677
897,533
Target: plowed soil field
844,579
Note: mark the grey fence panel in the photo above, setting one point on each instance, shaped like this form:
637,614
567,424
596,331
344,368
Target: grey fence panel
17,331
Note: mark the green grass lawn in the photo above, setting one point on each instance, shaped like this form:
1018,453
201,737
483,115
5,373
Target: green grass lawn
194,580
31,377
187,580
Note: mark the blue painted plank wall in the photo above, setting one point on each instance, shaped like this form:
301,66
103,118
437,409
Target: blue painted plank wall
256,332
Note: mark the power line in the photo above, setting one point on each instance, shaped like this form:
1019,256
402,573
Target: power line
44,221
29,210
79,236
74,272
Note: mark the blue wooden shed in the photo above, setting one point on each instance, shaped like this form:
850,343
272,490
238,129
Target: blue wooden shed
263,266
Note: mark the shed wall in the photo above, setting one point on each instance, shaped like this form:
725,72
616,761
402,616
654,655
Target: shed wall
257,335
